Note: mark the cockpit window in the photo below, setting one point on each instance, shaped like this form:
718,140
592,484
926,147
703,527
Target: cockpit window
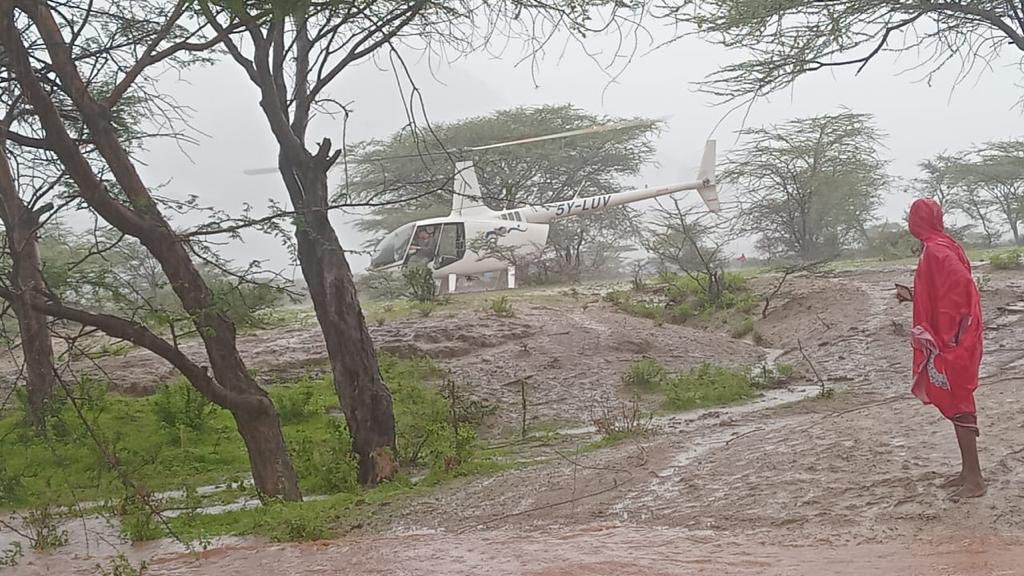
392,248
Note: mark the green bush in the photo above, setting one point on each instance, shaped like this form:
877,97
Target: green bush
180,406
121,566
139,522
423,418
708,385
419,284
301,401
1009,260
323,459
743,329
501,306
645,374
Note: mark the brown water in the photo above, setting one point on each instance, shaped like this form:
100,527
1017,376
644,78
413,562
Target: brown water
594,550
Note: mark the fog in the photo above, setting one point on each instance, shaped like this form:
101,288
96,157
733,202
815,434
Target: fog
920,117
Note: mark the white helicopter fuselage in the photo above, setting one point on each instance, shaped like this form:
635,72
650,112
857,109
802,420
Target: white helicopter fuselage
446,244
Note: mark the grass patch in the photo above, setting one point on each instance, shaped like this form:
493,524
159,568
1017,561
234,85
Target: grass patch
707,385
646,374
1007,260
501,307
679,299
175,440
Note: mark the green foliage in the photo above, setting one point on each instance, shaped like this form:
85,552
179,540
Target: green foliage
1008,260
645,374
323,458
623,421
179,406
139,522
743,329
783,41
424,309
302,400
423,418
43,528
708,385
891,241
685,297
121,566
420,285
501,306
766,377
624,301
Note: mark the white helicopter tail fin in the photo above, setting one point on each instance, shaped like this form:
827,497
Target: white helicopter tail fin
709,188
467,197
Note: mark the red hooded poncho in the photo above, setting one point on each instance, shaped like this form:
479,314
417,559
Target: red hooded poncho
947,333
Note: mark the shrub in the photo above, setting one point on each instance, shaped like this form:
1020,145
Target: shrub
180,406
425,431
42,526
743,329
139,522
645,374
419,284
325,463
300,401
1009,260
121,566
501,306
708,385
424,309
615,423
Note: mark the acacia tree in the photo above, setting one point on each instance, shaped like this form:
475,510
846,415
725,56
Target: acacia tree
690,240
989,184
937,180
408,173
129,39
785,40
810,186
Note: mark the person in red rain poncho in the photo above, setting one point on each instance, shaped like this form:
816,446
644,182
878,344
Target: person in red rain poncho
947,337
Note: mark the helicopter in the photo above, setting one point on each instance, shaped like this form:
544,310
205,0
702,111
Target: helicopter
446,245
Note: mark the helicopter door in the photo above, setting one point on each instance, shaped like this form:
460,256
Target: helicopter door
424,245
451,244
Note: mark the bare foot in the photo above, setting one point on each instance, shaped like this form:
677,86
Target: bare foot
954,482
971,489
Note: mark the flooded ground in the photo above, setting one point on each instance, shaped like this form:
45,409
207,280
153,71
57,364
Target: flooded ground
847,484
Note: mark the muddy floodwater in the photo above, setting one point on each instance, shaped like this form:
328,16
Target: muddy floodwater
788,484
611,550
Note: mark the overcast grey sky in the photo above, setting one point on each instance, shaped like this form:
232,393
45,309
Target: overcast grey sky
920,119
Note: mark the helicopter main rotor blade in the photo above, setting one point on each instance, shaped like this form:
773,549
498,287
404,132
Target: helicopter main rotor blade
456,151
258,171
568,134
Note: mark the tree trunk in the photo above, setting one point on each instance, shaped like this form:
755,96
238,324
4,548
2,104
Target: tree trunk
26,277
36,348
260,428
365,398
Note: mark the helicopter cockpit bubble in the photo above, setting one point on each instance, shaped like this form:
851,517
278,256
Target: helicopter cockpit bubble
392,249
